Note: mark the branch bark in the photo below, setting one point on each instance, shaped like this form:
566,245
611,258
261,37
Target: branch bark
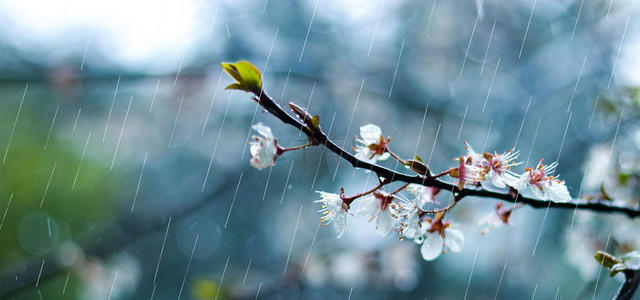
594,205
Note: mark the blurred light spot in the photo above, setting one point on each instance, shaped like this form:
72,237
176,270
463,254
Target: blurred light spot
38,233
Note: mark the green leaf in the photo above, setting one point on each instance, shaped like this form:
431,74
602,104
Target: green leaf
248,77
606,260
418,166
630,262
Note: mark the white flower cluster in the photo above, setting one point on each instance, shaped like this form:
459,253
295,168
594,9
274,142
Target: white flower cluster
474,168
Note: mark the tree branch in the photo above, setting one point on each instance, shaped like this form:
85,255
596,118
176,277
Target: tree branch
594,205
629,286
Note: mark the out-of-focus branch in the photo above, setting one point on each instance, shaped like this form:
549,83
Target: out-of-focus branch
122,231
594,205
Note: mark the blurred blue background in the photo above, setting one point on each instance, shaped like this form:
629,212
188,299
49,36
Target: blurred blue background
125,169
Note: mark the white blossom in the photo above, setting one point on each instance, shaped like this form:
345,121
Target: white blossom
333,210
408,215
542,184
372,147
377,206
422,194
264,150
500,165
436,242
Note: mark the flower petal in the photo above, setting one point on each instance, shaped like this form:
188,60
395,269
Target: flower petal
454,239
432,247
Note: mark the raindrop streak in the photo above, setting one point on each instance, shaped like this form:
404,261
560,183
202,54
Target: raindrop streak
15,123
433,7
488,46
144,163
424,116
40,273
577,19
266,185
395,73
161,252
527,30
258,292
313,88
577,81
311,247
350,291
232,201
5,211
176,121
222,278
615,62
81,159
575,210
491,85
540,232
265,6
486,140
615,136
124,123
113,285
534,292
64,289
471,273
594,110
435,140
213,99
315,177
51,128
284,88
215,15
106,127
295,230
48,183
86,48
563,137
304,45
49,226
255,111
600,269
608,10
346,137
228,32
179,68
376,28
462,123
189,266
286,182
557,292
246,273
153,99
522,124
76,123
216,145
473,31
500,281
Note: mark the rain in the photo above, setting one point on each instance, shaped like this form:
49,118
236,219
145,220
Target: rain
130,171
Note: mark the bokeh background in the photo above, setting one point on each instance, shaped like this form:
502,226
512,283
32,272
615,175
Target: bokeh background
125,169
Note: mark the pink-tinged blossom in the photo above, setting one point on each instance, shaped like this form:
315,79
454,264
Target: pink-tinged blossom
440,236
542,184
376,206
499,166
472,168
423,194
334,210
264,150
500,217
467,172
372,147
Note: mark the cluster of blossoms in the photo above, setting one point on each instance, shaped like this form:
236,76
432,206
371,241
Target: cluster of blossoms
405,215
